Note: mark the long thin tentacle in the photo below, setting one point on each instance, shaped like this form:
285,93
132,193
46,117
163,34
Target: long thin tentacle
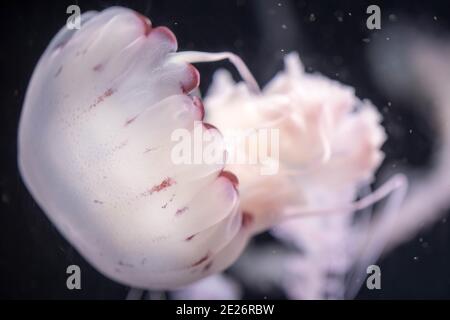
197,56
397,182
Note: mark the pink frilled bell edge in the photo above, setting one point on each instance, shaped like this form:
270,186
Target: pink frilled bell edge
94,151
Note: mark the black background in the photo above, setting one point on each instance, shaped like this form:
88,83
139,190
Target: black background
34,257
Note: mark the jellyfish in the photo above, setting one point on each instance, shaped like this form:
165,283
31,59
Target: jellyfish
327,137
418,70
330,148
95,151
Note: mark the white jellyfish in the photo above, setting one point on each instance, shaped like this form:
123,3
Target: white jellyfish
95,146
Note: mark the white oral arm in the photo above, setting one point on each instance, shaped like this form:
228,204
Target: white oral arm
197,56
397,182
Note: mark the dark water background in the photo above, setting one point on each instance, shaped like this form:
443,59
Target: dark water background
329,35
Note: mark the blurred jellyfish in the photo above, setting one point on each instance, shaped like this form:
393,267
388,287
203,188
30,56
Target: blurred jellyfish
416,67
329,148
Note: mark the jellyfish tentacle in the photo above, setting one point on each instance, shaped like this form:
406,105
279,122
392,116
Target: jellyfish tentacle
397,183
134,294
376,234
197,56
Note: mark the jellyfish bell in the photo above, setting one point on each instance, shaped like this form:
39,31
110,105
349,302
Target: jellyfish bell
94,151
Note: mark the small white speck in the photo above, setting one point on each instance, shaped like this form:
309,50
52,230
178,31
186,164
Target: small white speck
238,43
312,17
280,4
5,198
389,103
284,26
339,16
387,38
410,131
416,258
435,18
366,40
392,17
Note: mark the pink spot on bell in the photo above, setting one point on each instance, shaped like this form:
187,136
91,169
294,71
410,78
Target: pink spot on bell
207,266
98,67
130,120
58,71
108,92
247,219
190,237
61,45
181,211
200,261
149,149
102,97
166,183
120,146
